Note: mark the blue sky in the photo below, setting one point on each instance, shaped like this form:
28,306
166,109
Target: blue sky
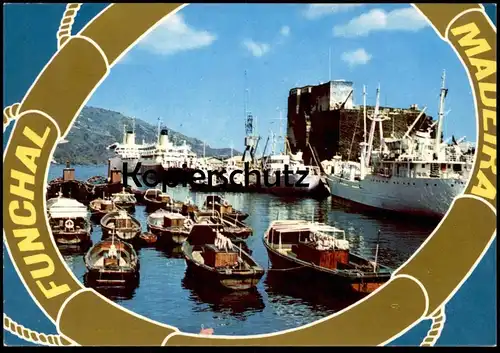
190,70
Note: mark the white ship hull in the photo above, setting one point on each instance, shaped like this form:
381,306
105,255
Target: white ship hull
313,182
420,196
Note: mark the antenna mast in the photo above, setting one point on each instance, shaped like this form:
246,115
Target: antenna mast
439,128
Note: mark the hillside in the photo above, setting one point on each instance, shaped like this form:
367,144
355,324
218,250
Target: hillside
97,128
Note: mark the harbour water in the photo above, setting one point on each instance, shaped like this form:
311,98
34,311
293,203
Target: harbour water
279,303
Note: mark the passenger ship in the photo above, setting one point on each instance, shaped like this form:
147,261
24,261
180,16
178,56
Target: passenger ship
415,174
161,155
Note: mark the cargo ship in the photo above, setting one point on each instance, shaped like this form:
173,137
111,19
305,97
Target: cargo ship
415,174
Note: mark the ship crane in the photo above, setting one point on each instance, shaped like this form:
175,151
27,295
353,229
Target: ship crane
375,118
251,139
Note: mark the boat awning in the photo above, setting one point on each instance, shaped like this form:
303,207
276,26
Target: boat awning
172,215
66,208
294,226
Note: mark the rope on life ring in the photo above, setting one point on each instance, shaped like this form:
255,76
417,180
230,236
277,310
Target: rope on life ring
434,332
31,335
10,113
64,32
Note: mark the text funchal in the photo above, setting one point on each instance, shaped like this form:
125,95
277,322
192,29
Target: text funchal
23,213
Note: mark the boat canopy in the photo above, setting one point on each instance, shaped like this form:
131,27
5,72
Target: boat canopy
66,208
284,226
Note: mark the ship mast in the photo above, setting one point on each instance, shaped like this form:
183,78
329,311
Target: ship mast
372,129
381,131
159,128
364,113
273,142
281,138
439,128
124,134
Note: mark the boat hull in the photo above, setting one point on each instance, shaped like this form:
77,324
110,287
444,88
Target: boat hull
169,236
127,235
97,215
72,238
125,279
228,279
127,206
233,281
152,206
314,186
240,216
236,233
429,197
342,284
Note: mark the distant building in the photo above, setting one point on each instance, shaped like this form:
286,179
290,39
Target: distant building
325,117
210,161
236,160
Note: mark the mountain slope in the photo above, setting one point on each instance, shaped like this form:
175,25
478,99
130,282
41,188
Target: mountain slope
97,128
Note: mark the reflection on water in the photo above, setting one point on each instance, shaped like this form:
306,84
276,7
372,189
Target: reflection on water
171,252
116,294
283,288
279,302
239,304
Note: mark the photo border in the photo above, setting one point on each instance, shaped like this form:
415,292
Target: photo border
418,290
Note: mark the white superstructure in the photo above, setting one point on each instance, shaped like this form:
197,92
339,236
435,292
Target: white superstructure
414,174
163,153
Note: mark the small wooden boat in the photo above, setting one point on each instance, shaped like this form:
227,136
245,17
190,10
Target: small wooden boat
171,228
319,251
100,186
147,239
154,199
120,223
221,205
124,200
69,221
231,228
213,258
96,181
101,207
72,189
112,263
139,195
